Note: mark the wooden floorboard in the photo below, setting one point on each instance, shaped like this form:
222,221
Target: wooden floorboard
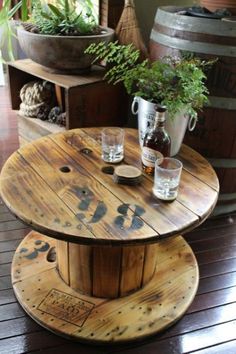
208,327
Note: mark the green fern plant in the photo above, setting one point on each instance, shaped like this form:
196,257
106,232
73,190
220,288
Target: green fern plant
178,84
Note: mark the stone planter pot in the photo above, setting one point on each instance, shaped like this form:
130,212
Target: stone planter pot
61,53
176,127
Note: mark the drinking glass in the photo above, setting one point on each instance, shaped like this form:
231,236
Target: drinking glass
167,178
112,144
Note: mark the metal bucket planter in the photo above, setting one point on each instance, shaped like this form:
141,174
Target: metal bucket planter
175,127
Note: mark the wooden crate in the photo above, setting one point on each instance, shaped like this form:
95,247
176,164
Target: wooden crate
32,128
88,100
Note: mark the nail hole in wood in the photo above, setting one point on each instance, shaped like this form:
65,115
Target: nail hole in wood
86,151
65,169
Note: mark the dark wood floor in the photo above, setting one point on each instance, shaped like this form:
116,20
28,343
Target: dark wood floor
208,327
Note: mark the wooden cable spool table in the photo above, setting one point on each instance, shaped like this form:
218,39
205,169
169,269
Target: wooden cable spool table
105,262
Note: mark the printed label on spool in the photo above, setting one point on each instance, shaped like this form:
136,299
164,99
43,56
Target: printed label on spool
149,156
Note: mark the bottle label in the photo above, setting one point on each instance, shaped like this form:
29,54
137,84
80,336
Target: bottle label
149,156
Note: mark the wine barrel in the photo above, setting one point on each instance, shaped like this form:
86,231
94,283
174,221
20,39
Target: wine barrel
215,134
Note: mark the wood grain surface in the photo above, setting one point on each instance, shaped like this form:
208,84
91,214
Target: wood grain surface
55,305
106,271
58,189
208,327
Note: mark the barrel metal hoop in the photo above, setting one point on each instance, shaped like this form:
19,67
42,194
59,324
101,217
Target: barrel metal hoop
166,17
222,102
224,209
227,196
193,46
222,163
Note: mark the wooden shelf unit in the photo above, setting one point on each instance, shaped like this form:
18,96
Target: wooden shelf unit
88,100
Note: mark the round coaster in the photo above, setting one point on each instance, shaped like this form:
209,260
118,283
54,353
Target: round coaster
57,307
127,171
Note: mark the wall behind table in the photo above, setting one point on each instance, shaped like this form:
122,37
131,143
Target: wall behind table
146,11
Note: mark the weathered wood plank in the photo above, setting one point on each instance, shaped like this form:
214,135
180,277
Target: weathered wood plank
30,342
13,234
189,342
81,258
202,319
217,268
106,271
224,348
213,299
132,269
7,217
10,311
12,225
37,210
7,296
6,257
17,327
10,245
216,283
216,254
5,269
218,242
63,261
210,234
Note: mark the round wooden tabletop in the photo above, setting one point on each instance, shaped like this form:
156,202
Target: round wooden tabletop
58,187
84,288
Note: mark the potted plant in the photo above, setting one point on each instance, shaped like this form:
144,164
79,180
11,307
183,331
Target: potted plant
176,83
7,25
56,36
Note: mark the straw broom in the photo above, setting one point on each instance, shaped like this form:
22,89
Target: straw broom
128,31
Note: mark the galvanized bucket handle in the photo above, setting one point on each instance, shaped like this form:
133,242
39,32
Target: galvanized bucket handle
192,123
135,105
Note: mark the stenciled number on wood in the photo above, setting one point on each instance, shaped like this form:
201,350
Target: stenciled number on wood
128,222
127,219
43,247
87,199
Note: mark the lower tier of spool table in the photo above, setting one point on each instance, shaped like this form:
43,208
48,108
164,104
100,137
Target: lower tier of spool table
67,312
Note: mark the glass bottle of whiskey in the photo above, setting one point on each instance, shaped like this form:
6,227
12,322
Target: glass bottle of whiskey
156,143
